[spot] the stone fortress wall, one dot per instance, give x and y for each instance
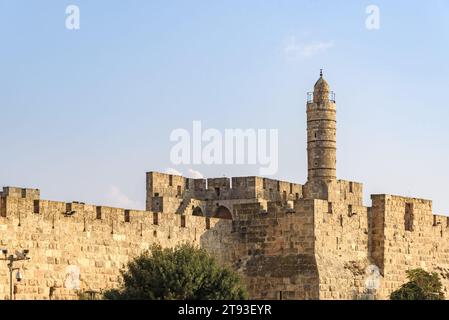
(287, 240)
(284, 247)
(81, 247)
(406, 235)
(86, 250)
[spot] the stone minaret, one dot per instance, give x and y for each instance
(321, 140)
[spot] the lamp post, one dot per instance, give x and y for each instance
(11, 259)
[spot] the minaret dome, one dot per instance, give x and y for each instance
(321, 90)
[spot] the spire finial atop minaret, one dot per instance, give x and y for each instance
(321, 72)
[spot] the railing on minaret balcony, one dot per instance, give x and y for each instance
(310, 97)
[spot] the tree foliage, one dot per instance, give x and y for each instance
(181, 273)
(422, 285)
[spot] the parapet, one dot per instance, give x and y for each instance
(277, 190)
(399, 201)
(178, 187)
(20, 193)
(350, 192)
(25, 211)
(410, 213)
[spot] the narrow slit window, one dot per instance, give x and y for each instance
(127, 217)
(435, 221)
(36, 206)
(183, 221)
(98, 210)
(408, 217)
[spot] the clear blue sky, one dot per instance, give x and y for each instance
(84, 114)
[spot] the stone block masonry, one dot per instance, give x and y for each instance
(294, 249)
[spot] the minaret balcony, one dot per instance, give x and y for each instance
(331, 97)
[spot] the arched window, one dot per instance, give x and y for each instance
(197, 212)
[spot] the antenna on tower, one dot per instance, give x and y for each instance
(321, 72)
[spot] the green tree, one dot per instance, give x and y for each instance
(181, 273)
(422, 285)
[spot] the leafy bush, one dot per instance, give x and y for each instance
(422, 285)
(182, 273)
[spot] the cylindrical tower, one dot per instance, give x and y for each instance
(322, 133)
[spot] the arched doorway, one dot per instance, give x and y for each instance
(223, 213)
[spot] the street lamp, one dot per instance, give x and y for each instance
(19, 256)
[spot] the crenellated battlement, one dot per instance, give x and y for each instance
(216, 196)
(20, 192)
(166, 192)
(17, 206)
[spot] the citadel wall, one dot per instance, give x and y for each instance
(294, 249)
(407, 235)
(341, 249)
(315, 249)
(91, 245)
(276, 255)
